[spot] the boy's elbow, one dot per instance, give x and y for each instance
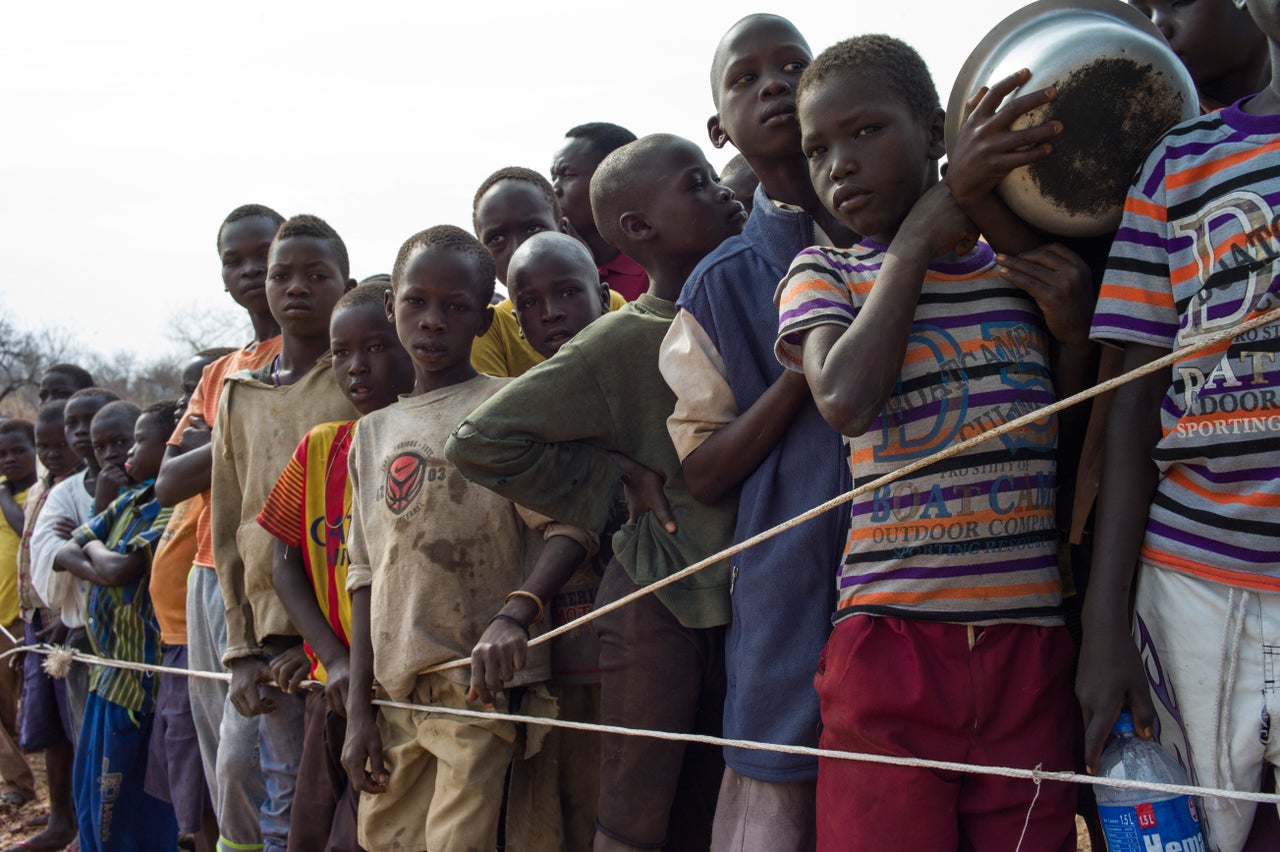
(845, 415)
(166, 492)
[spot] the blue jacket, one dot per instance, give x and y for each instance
(782, 590)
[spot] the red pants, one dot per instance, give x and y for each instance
(996, 696)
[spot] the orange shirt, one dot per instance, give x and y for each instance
(204, 403)
(174, 555)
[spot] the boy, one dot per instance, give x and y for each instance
(949, 597)
(552, 797)
(71, 503)
(309, 513)
(62, 380)
(661, 657)
(740, 419)
(43, 712)
(571, 169)
(228, 742)
(112, 553)
(175, 773)
(1188, 497)
(738, 175)
(261, 417)
(511, 205)
(431, 558)
(18, 467)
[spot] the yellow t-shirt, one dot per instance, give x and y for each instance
(10, 541)
(501, 351)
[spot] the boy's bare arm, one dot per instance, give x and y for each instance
(116, 569)
(187, 468)
(294, 588)
(503, 648)
(72, 559)
(732, 453)
(1111, 672)
(363, 746)
(852, 370)
(13, 514)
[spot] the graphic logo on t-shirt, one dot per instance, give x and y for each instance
(405, 476)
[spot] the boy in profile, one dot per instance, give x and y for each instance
(112, 553)
(228, 744)
(949, 598)
(309, 514)
(18, 469)
(571, 169)
(1188, 497)
(261, 417)
(661, 657)
(439, 570)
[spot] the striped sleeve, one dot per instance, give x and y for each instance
(813, 293)
(282, 513)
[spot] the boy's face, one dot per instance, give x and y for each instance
(52, 449)
(77, 420)
(556, 296)
(507, 215)
(571, 171)
(870, 156)
(190, 380)
(439, 310)
(370, 364)
(757, 70)
(1211, 37)
(149, 441)
(691, 213)
(17, 457)
(112, 439)
(55, 386)
(304, 282)
(242, 249)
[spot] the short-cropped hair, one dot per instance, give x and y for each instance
(892, 60)
(306, 225)
(448, 238)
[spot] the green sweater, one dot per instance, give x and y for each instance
(543, 442)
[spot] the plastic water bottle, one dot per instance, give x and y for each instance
(1144, 820)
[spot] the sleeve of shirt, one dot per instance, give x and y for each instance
(97, 527)
(489, 351)
(533, 520)
(547, 458)
(695, 372)
(1136, 302)
(52, 586)
(359, 570)
(225, 508)
(813, 293)
(148, 535)
(282, 514)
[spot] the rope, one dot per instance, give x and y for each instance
(1035, 775)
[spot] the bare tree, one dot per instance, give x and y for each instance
(200, 327)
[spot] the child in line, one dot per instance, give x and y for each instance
(949, 595)
(18, 469)
(511, 205)
(175, 773)
(70, 504)
(112, 552)
(261, 417)
(1189, 489)
(439, 569)
(571, 169)
(60, 381)
(309, 514)
(551, 800)
(738, 175)
(228, 744)
(661, 658)
(742, 420)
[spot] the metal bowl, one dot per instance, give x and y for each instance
(1120, 88)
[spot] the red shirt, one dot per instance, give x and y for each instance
(625, 276)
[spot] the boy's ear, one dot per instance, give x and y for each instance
(635, 226)
(604, 298)
(351, 285)
(485, 321)
(389, 305)
(716, 132)
(937, 135)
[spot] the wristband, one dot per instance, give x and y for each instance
(503, 616)
(521, 593)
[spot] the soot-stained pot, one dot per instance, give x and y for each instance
(1120, 88)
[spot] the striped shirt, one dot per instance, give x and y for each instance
(970, 539)
(310, 508)
(120, 620)
(1196, 254)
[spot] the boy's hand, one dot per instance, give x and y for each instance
(935, 226)
(643, 490)
(246, 674)
(290, 669)
(111, 481)
(337, 684)
(1062, 285)
(1111, 678)
(363, 747)
(63, 528)
(196, 435)
(502, 651)
(986, 149)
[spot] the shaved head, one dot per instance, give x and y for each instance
(759, 20)
(553, 244)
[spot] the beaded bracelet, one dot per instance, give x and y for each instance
(521, 593)
(513, 620)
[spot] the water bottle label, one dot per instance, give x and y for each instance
(1172, 825)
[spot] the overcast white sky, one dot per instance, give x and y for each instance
(128, 130)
